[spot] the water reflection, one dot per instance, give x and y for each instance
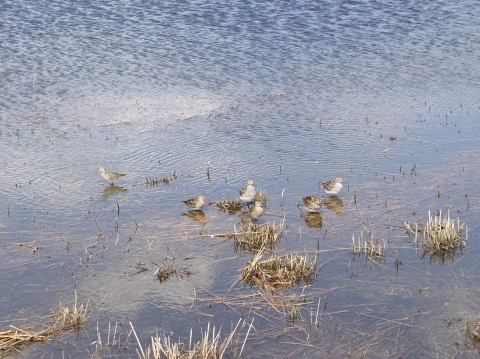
(196, 215)
(313, 220)
(334, 204)
(111, 190)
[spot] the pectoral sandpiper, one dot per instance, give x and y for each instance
(257, 211)
(110, 176)
(195, 203)
(332, 187)
(247, 194)
(312, 203)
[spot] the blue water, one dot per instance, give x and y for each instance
(286, 93)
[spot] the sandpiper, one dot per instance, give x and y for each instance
(257, 211)
(247, 194)
(195, 203)
(332, 187)
(110, 176)
(312, 203)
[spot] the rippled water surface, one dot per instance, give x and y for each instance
(384, 94)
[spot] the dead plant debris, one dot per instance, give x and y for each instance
(254, 237)
(164, 272)
(63, 320)
(229, 205)
(155, 181)
(440, 234)
(366, 246)
(472, 331)
(279, 271)
(209, 347)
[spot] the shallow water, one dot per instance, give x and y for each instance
(385, 95)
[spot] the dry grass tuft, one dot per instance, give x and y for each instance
(63, 320)
(279, 271)
(254, 238)
(209, 347)
(366, 246)
(441, 234)
(229, 205)
(164, 272)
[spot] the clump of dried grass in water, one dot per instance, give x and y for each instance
(230, 205)
(372, 250)
(254, 237)
(64, 319)
(164, 272)
(209, 347)
(279, 271)
(440, 234)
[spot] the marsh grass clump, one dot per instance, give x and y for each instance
(366, 246)
(164, 272)
(254, 237)
(229, 205)
(440, 234)
(279, 271)
(209, 347)
(64, 319)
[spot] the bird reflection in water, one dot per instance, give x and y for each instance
(334, 204)
(111, 190)
(196, 215)
(313, 220)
